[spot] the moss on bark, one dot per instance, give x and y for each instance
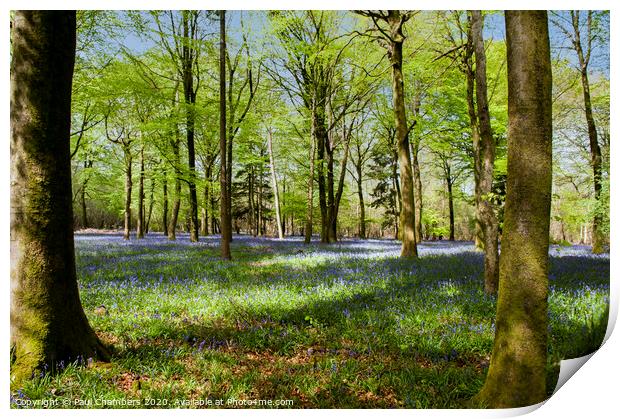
(48, 324)
(516, 375)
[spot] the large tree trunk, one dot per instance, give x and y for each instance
(128, 186)
(598, 239)
(226, 227)
(48, 324)
(486, 159)
(274, 184)
(407, 214)
(516, 375)
(140, 219)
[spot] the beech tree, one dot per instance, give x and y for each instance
(517, 371)
(389, 25)
(48, 324)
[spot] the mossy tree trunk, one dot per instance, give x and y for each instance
(48, 324)
(516, 375)
(486, 160)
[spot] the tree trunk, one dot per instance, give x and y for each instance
(516, 375)
(165, 203)
(204, 215)
(48, 324)
(151, 203)
(450, 201)
(475, 134)
(310, 194)
(177, 185)
(226, 227)
(140, 219)
(190, 100)
(407, 214)
(486, 159)
(274, 184)
(596, 160)
(360, 195)
(128, 187)
(417, 177)
(321, 139)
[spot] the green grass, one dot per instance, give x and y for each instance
(342, 326)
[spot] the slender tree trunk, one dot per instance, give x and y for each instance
(261, 229)
(310, 193)
(417, 177)
(486, 159)
(252, 208)
(204, 216)
(128, 187)
(516, 375)
(140, 219)
(87, 165)
(475, 135)
(596, 159)
(225, 218)
(48, 324)
(407, 214)
(190, 100)
(321, 138)
(360, 195)
(331, 198)
(274, 183)
(151, 203)
(450, 201)
(177, 185)
(165, 203)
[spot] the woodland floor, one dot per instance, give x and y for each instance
(327, 326)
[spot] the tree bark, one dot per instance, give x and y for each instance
(274, 183)
(486, 160)
(407, 214)
(225, 219)
(48, 323)
(516, 375)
